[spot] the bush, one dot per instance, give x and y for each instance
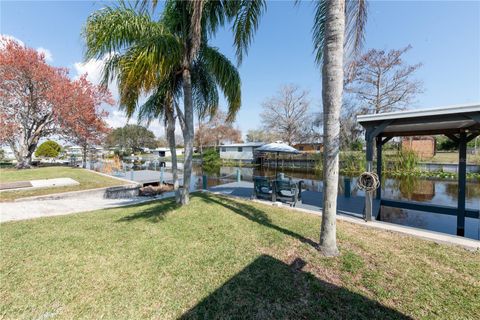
(211, 157)
(445, 144)
(48, 149)
(356, 145)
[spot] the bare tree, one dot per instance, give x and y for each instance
(260, 135)
(382, 81)
(350, 130)
(217, 131)
(285, 114)
(312, 129)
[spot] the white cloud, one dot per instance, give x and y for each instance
(92, 67)
(5, 37)
(46, 53)
(116, 118)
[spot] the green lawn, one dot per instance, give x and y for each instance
(220, 258)
(452, 157)
(87, 180)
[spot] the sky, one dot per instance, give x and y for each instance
(444, 35)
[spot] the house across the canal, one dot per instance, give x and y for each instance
(165, 152)
(240, 151)
(423, 146)
(315, 147)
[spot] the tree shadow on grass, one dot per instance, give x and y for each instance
(271, 289)
(253, 214)
(155, 213)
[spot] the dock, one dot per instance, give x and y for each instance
(148, 176)
(310, 200)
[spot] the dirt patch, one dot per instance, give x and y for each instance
(15, 185)
(155, 190)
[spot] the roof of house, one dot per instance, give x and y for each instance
(441, 120)
(308, 144)
(248, 144)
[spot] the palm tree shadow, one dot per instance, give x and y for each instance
(271, 289)
(154, 213)
(253, 214)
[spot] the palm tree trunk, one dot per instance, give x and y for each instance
(332, 89)
(173, 150)
(188, 134)
(193, 45)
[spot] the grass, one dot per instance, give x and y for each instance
(220, 258)
(452, 157)
(87, 180)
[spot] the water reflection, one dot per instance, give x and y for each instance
(438, 192)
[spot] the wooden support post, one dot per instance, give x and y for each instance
(379, 166)
(462, 183)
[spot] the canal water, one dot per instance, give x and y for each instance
(425, 190)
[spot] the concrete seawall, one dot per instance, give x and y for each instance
(118, 192)
(423, 166)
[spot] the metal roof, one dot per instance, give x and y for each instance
(278, 148)
(442, 120)
(248, 144)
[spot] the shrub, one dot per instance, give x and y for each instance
(356, 145)
(48, 149)
(211, 157)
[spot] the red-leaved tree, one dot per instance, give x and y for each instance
(38, 100)
(83, 122)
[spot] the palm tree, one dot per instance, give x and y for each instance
(147, 57)
(337, 24)
(193, 22)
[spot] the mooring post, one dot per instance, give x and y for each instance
(369, 195)
(379, 166)
(162, 169)
(204, 182)
(239, 176)
(462, 183)
(347, 187)
(131, 173)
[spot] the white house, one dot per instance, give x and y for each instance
(8, 153)
(240, 151)
(165, 152)
(77, 151)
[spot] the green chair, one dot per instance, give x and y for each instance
(285, 190)
(262, 188)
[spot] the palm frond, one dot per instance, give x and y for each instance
(204, 90)
(355, 23)
(144, 5)
(111, 29)
(226, 76)
(318, 29)
(153, 108)
(245, 24)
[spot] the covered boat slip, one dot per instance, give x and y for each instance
(459, 123)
